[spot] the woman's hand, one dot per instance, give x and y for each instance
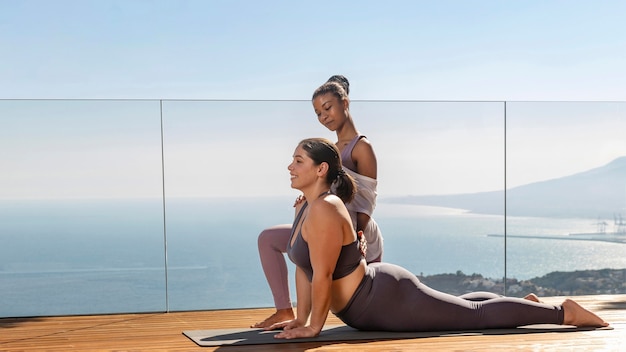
(287, 324)
(300, 199)
(297, 332)
(362, 243)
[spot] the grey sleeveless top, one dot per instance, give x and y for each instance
(346, 153)
(349, 257)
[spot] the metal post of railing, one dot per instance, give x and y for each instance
(505, 218)
(167, 301)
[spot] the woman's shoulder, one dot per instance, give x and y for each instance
(363, 145)
(326, 205)
(365, 159)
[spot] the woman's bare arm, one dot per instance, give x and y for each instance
(325, 239)
(366, 164)
(303, 297)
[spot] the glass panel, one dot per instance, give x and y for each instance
(440, 189)
(81, 208)
(566, 198)
(81, 216)
(226, 180)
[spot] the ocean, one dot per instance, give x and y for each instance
(61, 257)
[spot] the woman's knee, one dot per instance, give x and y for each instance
(265, 238)
(274, 238)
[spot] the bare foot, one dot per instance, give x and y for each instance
(532, 297)
(280, 316)
(575, 314)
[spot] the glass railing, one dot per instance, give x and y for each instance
(111, 206)
(81, 220)
(566, 187)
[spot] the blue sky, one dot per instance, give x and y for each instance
(282, 50)
(441, 50)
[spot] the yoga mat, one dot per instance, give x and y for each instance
(237, 337)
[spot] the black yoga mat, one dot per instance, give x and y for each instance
(237, 337)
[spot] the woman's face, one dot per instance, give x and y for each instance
(330, 111)
(302, 169)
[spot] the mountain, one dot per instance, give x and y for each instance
(596, 193)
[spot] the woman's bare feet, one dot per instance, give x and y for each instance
(575, 314)
(532, 297)
(280, 316)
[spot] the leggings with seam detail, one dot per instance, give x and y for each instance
(272, 243)
(390, 298)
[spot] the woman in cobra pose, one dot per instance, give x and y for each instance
(332, 107)
(332, 275)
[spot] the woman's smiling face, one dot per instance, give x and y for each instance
(302, 169)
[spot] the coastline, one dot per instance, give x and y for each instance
(557, 283)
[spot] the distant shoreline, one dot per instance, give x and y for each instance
(580, 282)
(608, 237)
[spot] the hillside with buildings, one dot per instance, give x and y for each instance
(574, 283)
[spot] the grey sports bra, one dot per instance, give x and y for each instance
(349, 257)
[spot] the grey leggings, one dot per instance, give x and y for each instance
(390, 298)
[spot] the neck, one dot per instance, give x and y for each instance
(347, 131)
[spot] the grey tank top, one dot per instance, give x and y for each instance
(346, 153)
(349, 257)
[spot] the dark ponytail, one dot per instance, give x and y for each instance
(322, 150)
(345, 186)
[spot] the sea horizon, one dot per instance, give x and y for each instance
(105, 256)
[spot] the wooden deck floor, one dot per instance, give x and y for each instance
(163, 332)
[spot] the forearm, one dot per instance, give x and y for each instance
(362, 220)
(320, 301)
(303, 296)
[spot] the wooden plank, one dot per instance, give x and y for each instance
(163, 332)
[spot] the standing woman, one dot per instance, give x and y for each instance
(332, 107)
